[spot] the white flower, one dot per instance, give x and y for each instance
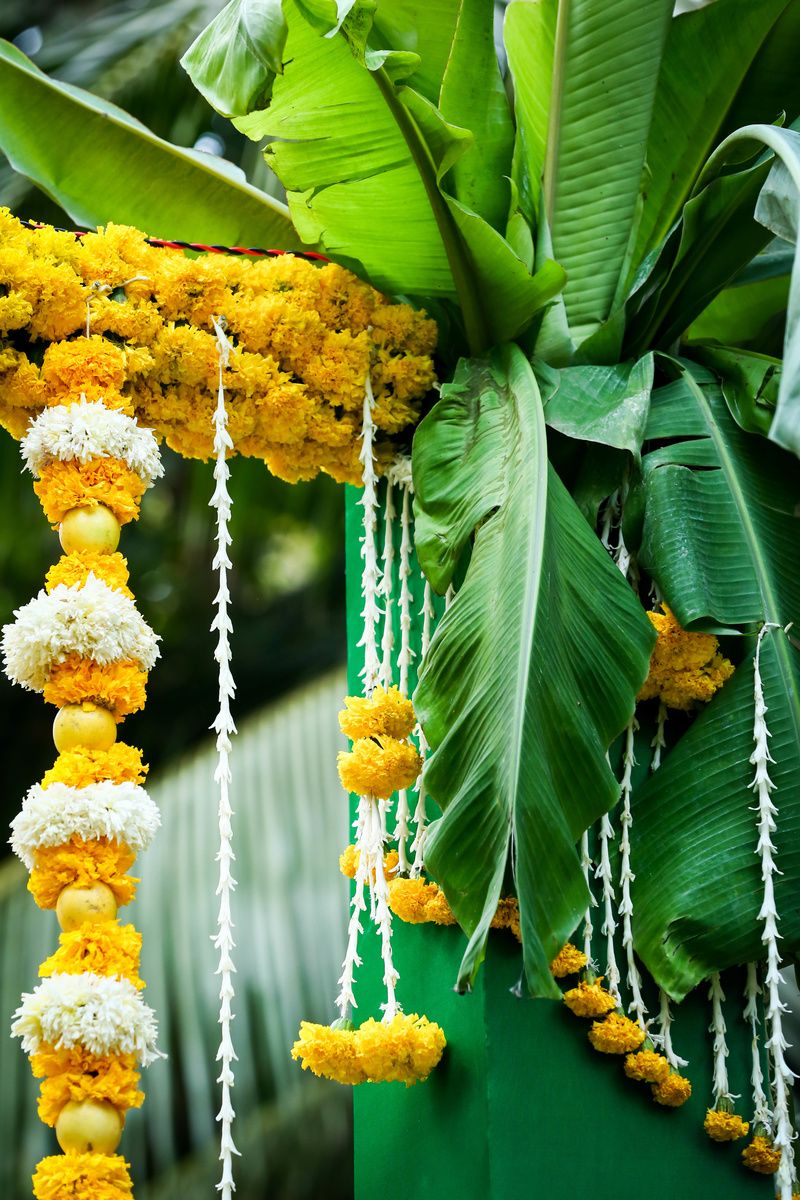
(50, 816)
(91, 620)
(103, 1014)
(89, 430)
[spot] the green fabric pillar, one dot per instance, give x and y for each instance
(521, 1105)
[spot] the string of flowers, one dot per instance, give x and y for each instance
(385, 585)
(637, 1004)
(760, 1154)
(722, 1123)
(400, 472)
(420, 815)
(224, 728)
(608, 928)
(82, 644)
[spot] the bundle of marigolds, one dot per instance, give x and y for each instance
(82, 643)
(306, 338)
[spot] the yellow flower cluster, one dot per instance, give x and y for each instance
(77, 1075)
(420, 902)
(647, 1066)
(686, 668)
(761, 1156)
(101, 1176)
(589, 999)
(305, 338)
(74, 569)
(722, 1125)
(104, 948)
(350, 857)
(386, 713)
(673, 1091)
(79, 767)
(72, 484)
(120, 686)
(616, 1034)
(378, 766)
(403, 1050)
(80, 863)
(568, 961)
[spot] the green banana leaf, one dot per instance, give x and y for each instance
(583, 129)
(290, 913)
(532, 671)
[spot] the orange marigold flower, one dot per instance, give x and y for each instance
(673, 1091)
(417, 902)
(91, 366)
(761, 1156)
(384, 712)
(568, 961)
(73, 484)
(81, 864)
(722, 1126)
(78, 768)
(590, 1000)
(118, 686)
(101, 1176)
(507, 916)
(75, 568)
(616, 1035)
(105, 948)
(685, 668)
(329, 1053)
(403, 1050)
(349, 859)
(78, 1075)
(647, 1067)
(378, 767)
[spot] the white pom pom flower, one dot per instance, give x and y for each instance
(103, 1014)
(122, 812)
(88, 430)
(91, 620)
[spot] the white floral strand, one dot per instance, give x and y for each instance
(385, 588)
(346, 1000)
(86, 431)
(752, 991)
(609, 926)
(420, 817)
(103, 1014)
(763, 787)
(404, 660)
(225, 728)
(370, 575)
(721, 1086)
(372, 849)
(588, 927)
(122, 812)
(90, 619)
(664, 1036)
(659, 740)
(626, 878)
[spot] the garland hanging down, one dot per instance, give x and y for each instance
(84, 646)
(305, 336)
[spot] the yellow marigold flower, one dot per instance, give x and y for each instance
(73, 484)
(78, 1075)
(403, 1050)
(78, 768)
(106, 948)
(685, 668)
(82, 864)
(418, 902)
(15, 312)
(590, 1000)
(329, 1053)
(673, 1091)
(568, 961)
(91, 366)
(349, 859)
(647, 1067)
(616, 1035)
(724, 1126)
(72, 569)
(761, 1156)
(118, 686)
(384, 712)
(378, 767)
(101, 1176)
(507, 916)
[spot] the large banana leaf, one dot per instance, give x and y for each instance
(101, 165)
(532, 671)
(290, 911)
(596, 113)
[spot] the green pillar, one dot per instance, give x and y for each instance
(521, 1105)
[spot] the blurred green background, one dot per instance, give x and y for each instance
(288, 648)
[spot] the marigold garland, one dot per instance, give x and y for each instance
(80, 767)
(647, 1066)
(107, 481)
(616, 1034)
(673, 1091)
(77, 1075)
(568, 961)
(81, 863)
(384, 713)
(349, 859)
(403, 1050)
(418, 901)
(686, 668)
(74, 569)
(99, 1176)
(106, 948)
(589, 999)
(378, 766)
(119, 686)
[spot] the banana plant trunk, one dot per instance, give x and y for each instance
(521, 1105)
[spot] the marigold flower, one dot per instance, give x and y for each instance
(349, 859)
(724, 1126)
(417, 902)
(647, 1067)
(77, 1075)
(568, 961)
(81, 864)
(91, 366)
(378, 767)
(72, 484)
(507, 916)
(685, 668)
(590, 1000)
(403, 1050)
(106, 948)
(383, 713)
(673, 1091)
(118, 686)
(761, 1156)
(78, 768)
(329, 1053)
(616, 1035)
(75, 568)
(101, 1176)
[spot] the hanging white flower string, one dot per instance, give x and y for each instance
(404, 660)
(659, 740)
(420, 816)
(720, 1084)
(626, 876)
(385, 586)
(763, 787)
(609, 926)
(370, 575)
(762, 1114)
(586, 867)
(664, 1037)
(224, 728)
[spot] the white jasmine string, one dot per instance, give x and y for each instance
(420, 817)
(385, 587)
(346, 1000)
(659, 740)
(370, 575)
(224, 728)
(664, 1037)
(404, 661)
(609, 926)
(763, 787)
(586, 867)
(752, 991)
(626, 878)
(720, 1084)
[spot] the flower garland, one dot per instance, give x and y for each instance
(84, 646)
(305, 337)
